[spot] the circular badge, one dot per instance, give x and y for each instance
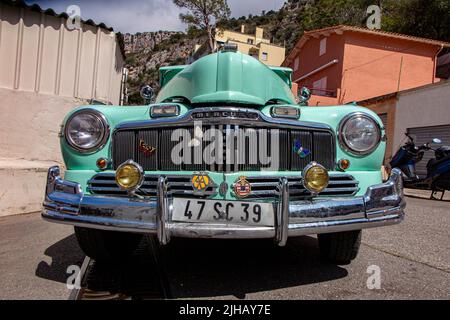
(242, 188)
(200, 182)
(223, 188)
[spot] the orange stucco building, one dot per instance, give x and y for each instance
(342, 64)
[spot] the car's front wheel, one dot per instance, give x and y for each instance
(102, 245)
(341, 247)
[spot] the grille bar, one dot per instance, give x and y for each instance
(341, 184)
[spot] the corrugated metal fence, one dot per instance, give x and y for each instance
(39, 53)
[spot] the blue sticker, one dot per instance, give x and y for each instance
(298, 149)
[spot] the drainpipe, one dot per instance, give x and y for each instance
(435, 62)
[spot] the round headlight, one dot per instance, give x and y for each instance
(87, 131)
(359, 134)
(315, 177)
(129, 175)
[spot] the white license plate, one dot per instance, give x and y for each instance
(232, 212)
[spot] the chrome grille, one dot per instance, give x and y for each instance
(262, 187)
(268, 187)
(105, 184)
(244, 156)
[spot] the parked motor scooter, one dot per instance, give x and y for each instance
(438, 168)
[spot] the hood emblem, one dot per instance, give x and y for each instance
(299, 150)
(242, 188)
(146, 149)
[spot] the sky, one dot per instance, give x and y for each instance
(131, 16)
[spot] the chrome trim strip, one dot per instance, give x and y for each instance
(187, 119)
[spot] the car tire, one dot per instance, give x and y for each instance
(106, 246)
(341, 247)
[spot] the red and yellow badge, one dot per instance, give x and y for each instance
(146, 149)
(242, 187)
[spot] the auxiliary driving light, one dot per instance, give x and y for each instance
(315, 178)
(129, 176)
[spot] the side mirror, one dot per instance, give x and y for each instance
(437, 141)
(304, 95)
(147, 93)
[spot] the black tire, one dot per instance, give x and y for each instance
(103, 245)
(340, 248)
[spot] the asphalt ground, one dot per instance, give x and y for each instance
(413, 259)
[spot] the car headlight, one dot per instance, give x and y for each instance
(359, 133)
(87, 130)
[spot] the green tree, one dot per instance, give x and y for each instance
(422, 18)
(203, 14)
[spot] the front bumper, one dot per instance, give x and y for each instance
(382, 205)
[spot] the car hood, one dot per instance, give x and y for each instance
(228, 77)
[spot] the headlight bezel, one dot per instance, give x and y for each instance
(101, 142)
(341, 138)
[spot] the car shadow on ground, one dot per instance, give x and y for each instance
(215, 268)
(63, 253)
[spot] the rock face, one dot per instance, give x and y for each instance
(146, 41)
(148, 51)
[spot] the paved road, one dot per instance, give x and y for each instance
(414, 259)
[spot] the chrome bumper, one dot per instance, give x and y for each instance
(65, 202)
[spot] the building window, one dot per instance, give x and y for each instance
(264, 56)
(320, 87)
(323, 47)
(296, 63)
(250, 41)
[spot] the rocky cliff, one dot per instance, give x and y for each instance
(148, 51)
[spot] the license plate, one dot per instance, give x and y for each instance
(233, 212)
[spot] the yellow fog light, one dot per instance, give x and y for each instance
(129, 175)
(315, 178)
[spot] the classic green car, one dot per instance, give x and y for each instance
(225, 151)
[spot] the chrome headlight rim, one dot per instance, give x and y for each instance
(341, 138)
(102, 141)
